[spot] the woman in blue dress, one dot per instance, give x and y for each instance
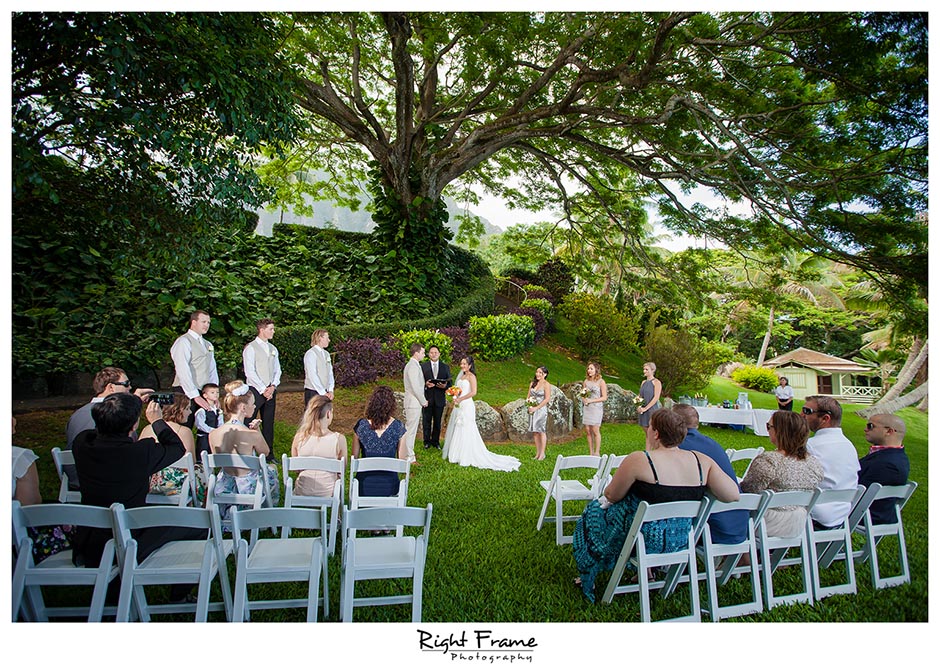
(379, 435)
(661, 473)
(650, 390)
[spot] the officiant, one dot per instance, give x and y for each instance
(436, 381)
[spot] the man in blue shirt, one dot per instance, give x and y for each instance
(727, 527)
(886, 462)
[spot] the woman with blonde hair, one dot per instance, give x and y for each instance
(790, 467)
(234, 436)
(314, 438)
(592, 412)
(650, 390)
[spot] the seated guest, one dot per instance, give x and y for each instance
(314, 438)
(886, 462)
(25, 475)
(236, 437)
(169, 481)
(727, 527)
(115, 468)
(108, 381)
(379, 435)
(835, 452)
(661, 473)
(46, 540)
(790, 467)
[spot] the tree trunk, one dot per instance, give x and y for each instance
(915, 361)
(919, 393)
(923, 404)
(763, 347)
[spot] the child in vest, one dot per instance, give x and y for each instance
(207, 420)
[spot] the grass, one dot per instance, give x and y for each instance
(486, 561)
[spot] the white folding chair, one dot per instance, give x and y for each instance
(613, 461)
(835, 550)
(333, 503)
(841, 534)
(634, 552)
(57, 569)
(564, 490)
(260, 497)
(193, 561)
(61, 459)
(187, 491)
(283, 559)
(874, 533)
(394, 465)
(744, 454)
(370, 558)
(722, 560)
(773, 550)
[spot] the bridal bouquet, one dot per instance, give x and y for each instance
(531, 401)
(452, 393)
(638, 400)
(585, 392)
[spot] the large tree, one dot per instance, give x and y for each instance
(818, 120)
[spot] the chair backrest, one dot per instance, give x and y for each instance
(186, 463)
(213, 461)
(126, 520)
(735, 455)
(61, 459)
(49, 515)
(309, 462)
(790, 498)
(900, 493)
(251, 520)
(753, 503)
(613, 462)
(408, 516)
(377, 464)
(847, 496)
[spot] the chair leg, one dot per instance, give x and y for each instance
(347, 599)
(313, 594)
(127, 583)
(559, 520)
(548, 498)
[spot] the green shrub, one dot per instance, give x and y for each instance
(427, 338)
(501, 337)
(542, 305)
(758, 378)
(599, 325)
(556, 276)
(684, 362)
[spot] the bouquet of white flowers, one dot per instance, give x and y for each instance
(530, 401)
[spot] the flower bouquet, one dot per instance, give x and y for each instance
(530, 401)
(638, 400)
(452, 393)
(584, 393)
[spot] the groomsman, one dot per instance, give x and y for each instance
(194, 360)
(414, 397)
(436, 381)
(318, 368)
(263, 375)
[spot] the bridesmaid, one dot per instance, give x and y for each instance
(592, 412)
(650, 391)
(541, 392)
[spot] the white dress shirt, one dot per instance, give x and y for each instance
(318, 370)
(182, 354)
(252, 373)
(840, 472)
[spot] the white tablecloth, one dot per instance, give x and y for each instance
(756, 419)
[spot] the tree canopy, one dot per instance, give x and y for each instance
(818, 120)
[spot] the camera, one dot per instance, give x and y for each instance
(163, 399)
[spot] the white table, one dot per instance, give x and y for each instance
(756, 419)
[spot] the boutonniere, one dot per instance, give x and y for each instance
(273, 352)
(209, 346)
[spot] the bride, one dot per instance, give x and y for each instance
(463, 444)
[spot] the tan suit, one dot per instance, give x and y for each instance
(414, 401)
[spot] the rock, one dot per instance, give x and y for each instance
(560, 415)
(491, 424)
(620, 406)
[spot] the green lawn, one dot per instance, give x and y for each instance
(486, 561)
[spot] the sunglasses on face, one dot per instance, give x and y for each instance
(809, 412)
(770, 426)
(872, 426)
(126, 384)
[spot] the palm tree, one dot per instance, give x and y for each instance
(770, 279)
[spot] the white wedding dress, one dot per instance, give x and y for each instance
(463, 444)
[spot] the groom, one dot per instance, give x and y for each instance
(436, 381)
(414, 397)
